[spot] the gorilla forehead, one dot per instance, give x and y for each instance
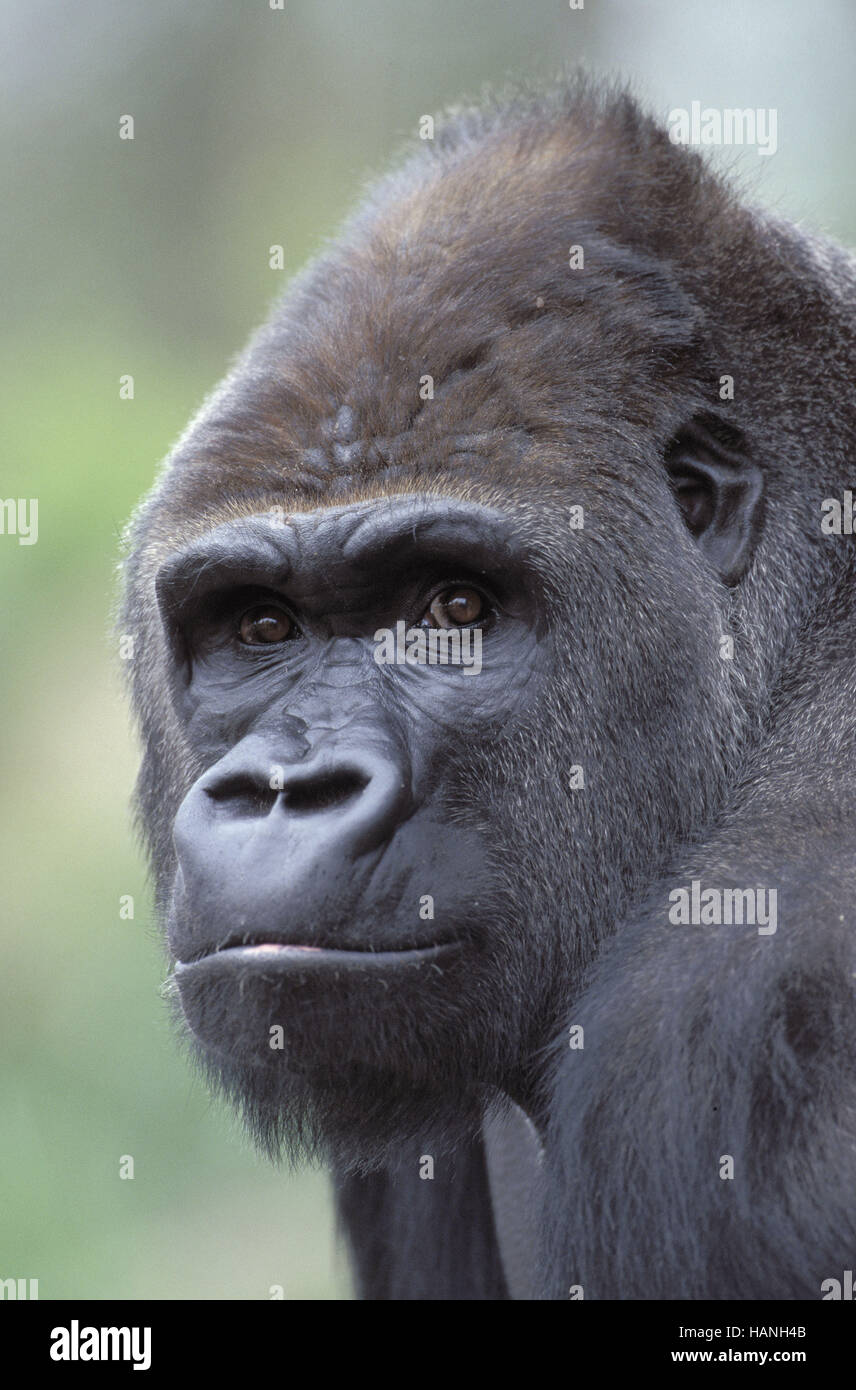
(520, 347)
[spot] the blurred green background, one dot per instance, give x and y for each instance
(252, 126)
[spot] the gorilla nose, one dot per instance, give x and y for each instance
(270, 849)
(358, 797)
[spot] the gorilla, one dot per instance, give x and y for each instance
(549, 955)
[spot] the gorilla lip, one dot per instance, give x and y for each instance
(290, 953)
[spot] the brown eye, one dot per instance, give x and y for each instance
(264, 625)
(455, 607)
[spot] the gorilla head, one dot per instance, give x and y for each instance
(494, 408)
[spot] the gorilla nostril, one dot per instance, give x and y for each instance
(324, 790)
(247, 793)
(243, 795)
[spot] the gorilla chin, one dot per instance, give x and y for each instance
(344, 1055)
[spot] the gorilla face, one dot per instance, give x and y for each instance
(390, 872)
(338, 904)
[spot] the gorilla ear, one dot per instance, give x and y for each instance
(718, 490)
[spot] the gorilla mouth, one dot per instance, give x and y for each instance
(286, 954)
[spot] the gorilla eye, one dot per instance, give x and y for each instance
(455, 607)
(264, 625)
